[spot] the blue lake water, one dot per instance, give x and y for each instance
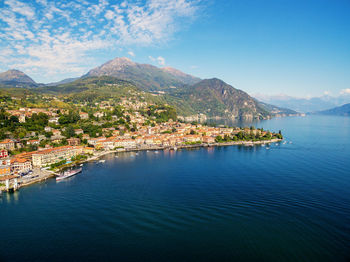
(287, 203)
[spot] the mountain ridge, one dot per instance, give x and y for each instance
(188, 94)
(343, 110)
(145, 76)
(17, 78)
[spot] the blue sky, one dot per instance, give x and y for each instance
(297, 47)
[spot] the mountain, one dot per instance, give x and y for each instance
(16, 78)
(145, 76)
(305, 105)
(215, 98)
(187, 79)
(278, 111)
(64, 81)
(343, 110)
(122, 77)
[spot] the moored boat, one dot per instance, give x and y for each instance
(67, 174)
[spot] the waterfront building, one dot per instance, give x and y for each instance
(54, 155)
(126, 143)
(192, 138)
(5, 170)
(21, 165)
(88, 150)
(208, 139)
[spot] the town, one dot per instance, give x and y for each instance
(40, 138)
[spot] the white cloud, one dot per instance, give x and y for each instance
(59, 37)
(20, 8)
(109, 15)
(345, 91)
(161, 60)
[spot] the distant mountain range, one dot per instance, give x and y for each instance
(305, 105)
(343, 110)
(188, 94)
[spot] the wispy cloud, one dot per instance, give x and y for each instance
(60, 37)
(160, 60)
(131, 53)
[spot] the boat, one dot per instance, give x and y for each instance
(102, 161)
(67, 174)
(156, 152)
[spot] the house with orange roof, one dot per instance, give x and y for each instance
(54, 155)
(192, 138)
(7, 144)
(20, 165)
(5, 170)
(208, 139)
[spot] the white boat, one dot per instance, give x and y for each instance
(102, 161)
(67, 174)
(116, 156)
(156, 152)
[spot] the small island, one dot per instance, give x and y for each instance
(40, 135)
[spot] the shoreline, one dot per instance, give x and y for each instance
(41, 175)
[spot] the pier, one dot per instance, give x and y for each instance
(11, 183)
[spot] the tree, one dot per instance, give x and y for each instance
(48, 134)
(69, 132)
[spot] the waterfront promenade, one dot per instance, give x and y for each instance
(41, 174)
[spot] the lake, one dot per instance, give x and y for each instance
(290, 202)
